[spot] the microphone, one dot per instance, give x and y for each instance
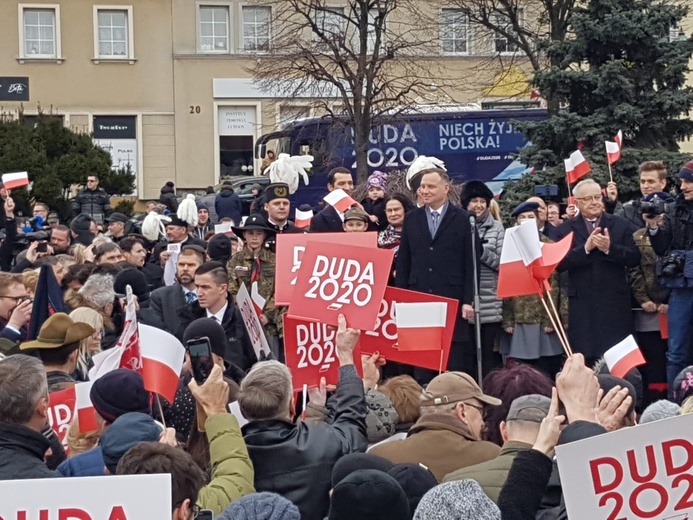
(472, 220)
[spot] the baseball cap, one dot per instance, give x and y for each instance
(453, 387)
(356, 213)
(117, 217)
(532, 407)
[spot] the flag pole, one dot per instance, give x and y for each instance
(611, 175)
(440, 367)
(161, 410)
(566, 348)
(560, 329)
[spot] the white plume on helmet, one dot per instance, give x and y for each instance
(154, 226)
(287, 168)
(421, 163)
(187, 210)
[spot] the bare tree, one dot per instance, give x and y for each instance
(368, 56)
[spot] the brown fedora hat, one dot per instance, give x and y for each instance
(59, 330)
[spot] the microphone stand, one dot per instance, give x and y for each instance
(477, 301)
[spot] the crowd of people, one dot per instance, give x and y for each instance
(398, 442)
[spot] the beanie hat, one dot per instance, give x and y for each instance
(119, 392)
(125, 432)
(633, 376)
(81, 224)
(201, 205)
(209, 328)
(607, 382)
(377, 180)
(261, 506)
(219, 248)
(369, 494)
(416, 480)
(346, 465)
(659, 410)
(136, 280)
(580, 430)
(687, 172)
(457, 500)
(683, 385)
(169, 184)
(473, 189)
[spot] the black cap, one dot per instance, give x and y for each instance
(277, 190)
(177, 221)
(524, 208)
(118, 217)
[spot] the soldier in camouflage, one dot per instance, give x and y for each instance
(255, 263)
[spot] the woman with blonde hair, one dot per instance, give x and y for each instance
(30, 279)
(90, 345)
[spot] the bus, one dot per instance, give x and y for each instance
(473, 144)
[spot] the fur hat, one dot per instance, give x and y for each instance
(473, 189)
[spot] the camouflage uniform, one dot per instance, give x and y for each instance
(643, 280)
(240, 267)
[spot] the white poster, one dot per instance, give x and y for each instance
(252, 323)
(131, 497)
(123, 152)
(237, 121)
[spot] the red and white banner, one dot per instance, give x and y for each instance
(310, 350)
(252, 322)
(576, 167)
(613, 148)
(258, 301)
(11, 181)
(84, 408)
(341, 280)
(384, 337)
(60, 412)
(116, 497)
(339, 200)
(162, 361)
(290, 250)
(623, 356)
(639, 472)
(129, 340)
(420, 325)
(302, 218)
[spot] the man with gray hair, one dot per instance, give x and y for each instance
(602, 252)
(296, 460)
(519, 432)
(23, 416)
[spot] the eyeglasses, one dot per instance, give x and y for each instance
(480, 408)
(15, 298)
(91, 180)
(594, 198)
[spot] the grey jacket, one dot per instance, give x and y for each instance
(491, 233)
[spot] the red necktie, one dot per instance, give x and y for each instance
(255, 272)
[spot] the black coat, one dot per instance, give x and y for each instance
(599, 304)
(327, 221)
(168, 198)
(296, 460)
(377, 208)
(441, 265)
(164, 304)
(239, 349)
(96, 203)
(228, 205)
(21, 453)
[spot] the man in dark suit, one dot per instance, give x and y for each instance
(435, 256)
(603, 250)
(329, 219)
(214, 301)
(165, 302)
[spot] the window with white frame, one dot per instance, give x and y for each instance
(40, 31)
(454, 31)
(330, 24)
(256, 28)
(502, 44)
(113, 38)
(214, 28)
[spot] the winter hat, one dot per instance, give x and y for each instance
(219, 248)
(580, 430)
(687, 171)
(346, 465)
(119, 392)
(633, 376)
(125, 432)
(473, 189)
(458, 500)
(416, 480)
(201, 205)
(137, 282)
(377, 180)
(356, 213)
(176, 221)
(261, 506)
(81, 224)
(525, 207)
(369, 494)
(209, 328)
(659, 410)
(169, 184)
(683, 385)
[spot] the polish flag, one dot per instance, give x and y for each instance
(104, 362)
(15, 180)
(129, 340)
(162, 361)
(257, 299)
(521, 248)
(420, 325)
(303, 218)
(623, 356)
(576, 167)
(84, 409)
(339, 200)
(613, 148)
